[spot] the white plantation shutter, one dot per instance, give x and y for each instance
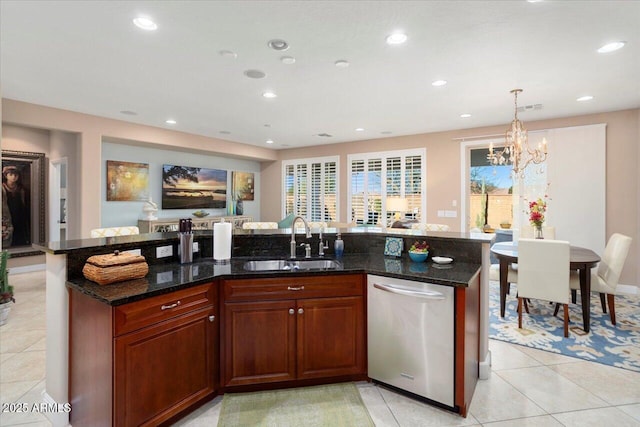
(374, 176)
(289, 193)
(310, 188)
(413, 182)
(358, 191)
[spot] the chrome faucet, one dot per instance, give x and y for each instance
(322, 246)
(293, 234)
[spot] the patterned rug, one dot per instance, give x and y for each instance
(332, 405)
(611, 345)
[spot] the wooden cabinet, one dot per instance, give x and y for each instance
(160, 358)
(292, 328)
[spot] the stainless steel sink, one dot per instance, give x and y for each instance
(315, 264)
(267, 265)
(286, 265)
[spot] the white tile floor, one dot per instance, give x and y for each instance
(527, 387)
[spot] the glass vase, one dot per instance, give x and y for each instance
(537, 232)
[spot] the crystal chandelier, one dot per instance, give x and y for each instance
(517, 151)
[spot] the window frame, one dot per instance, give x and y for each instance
(384, 156)
(309, 162)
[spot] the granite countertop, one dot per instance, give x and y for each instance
(169, 277)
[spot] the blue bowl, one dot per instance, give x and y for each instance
(418, 256)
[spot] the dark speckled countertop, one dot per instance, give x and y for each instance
(163, 278)
(364, 248)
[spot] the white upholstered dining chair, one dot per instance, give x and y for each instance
(543, 273)
(259, 225)
(548, 232)
(605, 278)
(114, 231)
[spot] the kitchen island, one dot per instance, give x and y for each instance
(210, 290)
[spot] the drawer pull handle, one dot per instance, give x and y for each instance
(170, 306)
(291, 311)
(296, 288)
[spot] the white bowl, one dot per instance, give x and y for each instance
(442, 259)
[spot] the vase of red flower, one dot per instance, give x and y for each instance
(537, 209)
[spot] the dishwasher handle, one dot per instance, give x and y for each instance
(431, 295)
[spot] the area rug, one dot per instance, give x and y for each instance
(338, 405)
(617, 345)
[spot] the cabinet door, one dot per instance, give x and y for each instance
(330, 337)
(163, 369)
(259, 342)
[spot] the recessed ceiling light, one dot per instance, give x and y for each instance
(465, 115)
(267, 125)
(341, 63)
(269, 94)
(269, 141)
(585, 98)
(145, 23)
(359, 129)
(170, 122)
(128, 113)
(228, 54)
(278, 44)
(611, 47)
(397, 38)
(225, 132)
(255, 74)
(439, 83)
(386, 132)
(288, 60)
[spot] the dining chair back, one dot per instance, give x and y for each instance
(605, 279)
(114, 231)
(543, 273)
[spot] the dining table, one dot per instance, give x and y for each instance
(580, 259)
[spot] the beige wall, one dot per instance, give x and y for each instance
(91, 130)
(443, 172)
(443, 162)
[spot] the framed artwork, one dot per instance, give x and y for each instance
(186, 187)
(127, 181)
(23, 199)
(393, 246)
(243, 185)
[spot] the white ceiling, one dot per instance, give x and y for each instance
(87, 56)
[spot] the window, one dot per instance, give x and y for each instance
(311, 188)
(374, 176)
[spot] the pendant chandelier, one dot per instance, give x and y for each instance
(517, 151)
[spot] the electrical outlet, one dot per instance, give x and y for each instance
(196, 247)
(164, 251)
(134, 252)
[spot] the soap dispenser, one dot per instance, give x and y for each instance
(338, 246)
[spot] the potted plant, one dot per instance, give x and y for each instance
(6, 290)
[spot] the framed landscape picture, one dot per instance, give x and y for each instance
(243, 185)
(127, 181)
(186, 187)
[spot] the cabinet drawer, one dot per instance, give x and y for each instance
(293, 287)
(136, 315)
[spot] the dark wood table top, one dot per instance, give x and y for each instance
(578, 257)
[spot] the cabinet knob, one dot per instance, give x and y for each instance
(291, 311)
(300, 310)
(212, 318)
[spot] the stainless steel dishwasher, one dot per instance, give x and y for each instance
(411, 336)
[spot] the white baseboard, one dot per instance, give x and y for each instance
(485, 367)
(57, 419)
(26, 269)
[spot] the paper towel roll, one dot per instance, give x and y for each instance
(222, 241)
